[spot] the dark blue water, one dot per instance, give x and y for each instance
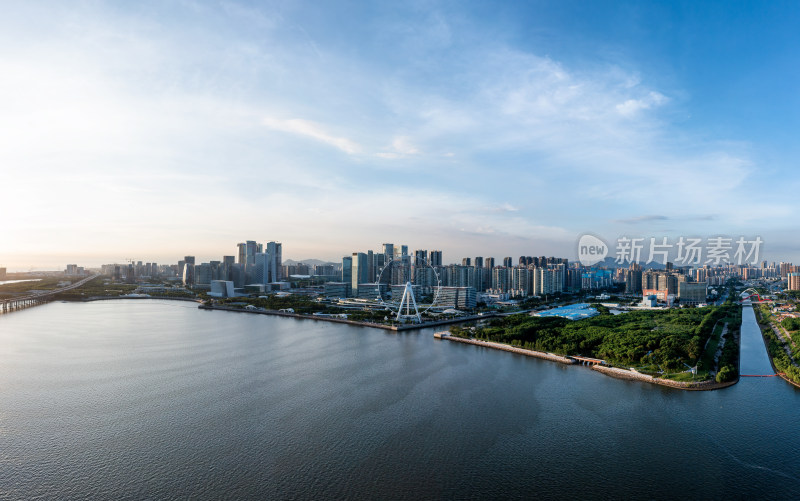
(159, 400)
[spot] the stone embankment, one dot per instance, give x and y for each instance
(683, 385)
(608, 371)
(505, 347)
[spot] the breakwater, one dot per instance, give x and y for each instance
(682, 385)
(505, 347)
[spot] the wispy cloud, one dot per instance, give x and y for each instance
(632, 106)
(314, 131)
(401, 148)
(642, 219)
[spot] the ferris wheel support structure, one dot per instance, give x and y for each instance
(407, 300)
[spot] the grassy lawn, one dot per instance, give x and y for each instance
(686, 376)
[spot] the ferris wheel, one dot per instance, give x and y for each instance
(404, 306)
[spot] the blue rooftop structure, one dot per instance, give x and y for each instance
(570, 312)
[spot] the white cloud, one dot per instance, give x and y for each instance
(633, 106)
(401, 148)
(314, 131)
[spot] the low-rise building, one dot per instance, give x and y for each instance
(221, 288)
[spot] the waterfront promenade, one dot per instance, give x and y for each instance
(397, 328)
(599, 366)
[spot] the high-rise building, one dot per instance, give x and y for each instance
(458, 276)
(216, 270)
(501, 279)
(436, 258)
(188, 274)
(522, 280)
(370, 267)
(466, 261)
(489, 262)
(548, 280)
(360, 270)
(262, 274)
(242, 253)
(507, 262)
(187, 262)
(202, 275)
(420, 257)
(238, 275)
(633, 281)
(275, 251)
(227, 267)
(248, 251)
(478, 262)
(793, 279)
(347, 270)
(388, 252)
(380, 263)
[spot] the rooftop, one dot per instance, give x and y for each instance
(570, 312)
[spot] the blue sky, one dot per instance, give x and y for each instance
(153, 130)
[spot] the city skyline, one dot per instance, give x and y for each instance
(166, 129)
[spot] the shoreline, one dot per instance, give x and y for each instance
(276, 313)
(108, 298)
(614, 372)
(766, 346)
(769, 356)
(507, 347)
(630, 375)
(395, 328)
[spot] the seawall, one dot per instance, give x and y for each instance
(682, 385)
(505, 347)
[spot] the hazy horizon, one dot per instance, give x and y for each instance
(154, 130)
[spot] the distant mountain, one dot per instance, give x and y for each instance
(309, 262)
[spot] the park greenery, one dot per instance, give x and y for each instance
(775, 348)
(304, 305)
(96, 287)
(39, 283)
(658, 342)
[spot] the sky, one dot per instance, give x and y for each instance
(157, 129)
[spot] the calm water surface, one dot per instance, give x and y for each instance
(155, 399)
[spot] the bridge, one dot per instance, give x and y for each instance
(19, 302)
(749, 294)
(587, 360)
